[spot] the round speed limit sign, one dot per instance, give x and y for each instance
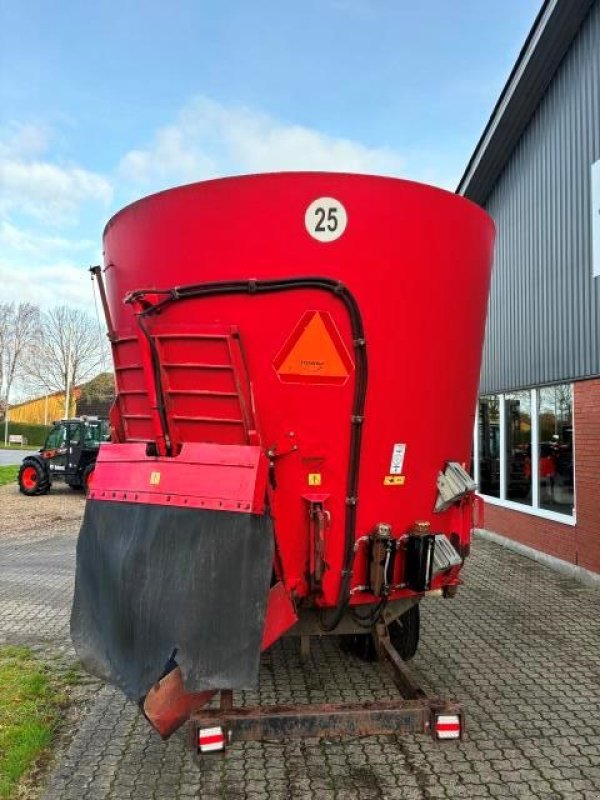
(326, 219)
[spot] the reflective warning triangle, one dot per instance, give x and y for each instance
(314, 352)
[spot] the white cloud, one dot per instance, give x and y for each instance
(54, 283)
(173, 155)
(23, 141)
(43, 240)
(209, 139)
(33, 243)
(48, 192)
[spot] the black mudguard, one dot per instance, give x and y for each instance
(152, 580)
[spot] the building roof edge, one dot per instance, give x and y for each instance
(553, 31)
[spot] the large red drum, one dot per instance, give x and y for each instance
(416, 259)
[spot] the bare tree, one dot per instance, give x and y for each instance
(4, 328)
(17, 325)
(67, 349)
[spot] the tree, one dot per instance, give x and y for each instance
(17, 325)
(4, 328)
(97, 395)
(67, 349)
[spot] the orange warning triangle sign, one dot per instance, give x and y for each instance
(315, 352)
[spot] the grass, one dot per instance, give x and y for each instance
(30, 705)
(18, 446)
(8, 475)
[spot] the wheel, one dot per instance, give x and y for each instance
(88, 478)
(404, 633)
(360, 645)
(33, 478)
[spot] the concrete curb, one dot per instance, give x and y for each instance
(589, 579)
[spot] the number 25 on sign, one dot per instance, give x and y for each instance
(325, 219)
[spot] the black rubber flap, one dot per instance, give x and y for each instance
(152, 579)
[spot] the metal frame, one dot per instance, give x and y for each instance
(414, 712)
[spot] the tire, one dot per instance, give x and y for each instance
(33, 478)
(404, 633)
(88, 478)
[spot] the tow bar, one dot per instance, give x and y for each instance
(213, 729)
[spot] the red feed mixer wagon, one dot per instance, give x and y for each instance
(297, 359)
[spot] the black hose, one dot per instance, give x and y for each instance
(160, 395)
(372, 617)
(214, 288)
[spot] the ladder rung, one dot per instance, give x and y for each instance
(213, 420)
(170, 365)
(220, 336)
(201, 393)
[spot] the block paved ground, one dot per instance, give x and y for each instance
(519, 646)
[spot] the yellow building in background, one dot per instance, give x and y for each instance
(92, 399)
(44, 410)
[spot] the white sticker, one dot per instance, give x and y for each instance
(326, 219)
(397, 459)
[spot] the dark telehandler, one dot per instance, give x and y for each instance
(69, 454)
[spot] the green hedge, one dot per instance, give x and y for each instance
(35, 434)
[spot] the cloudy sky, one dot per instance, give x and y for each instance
(104, 102)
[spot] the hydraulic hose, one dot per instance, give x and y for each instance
(327, 621)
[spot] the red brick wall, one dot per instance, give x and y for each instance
(587, 473)
(579, 544)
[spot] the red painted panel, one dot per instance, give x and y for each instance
(219, 477)
(280, 617)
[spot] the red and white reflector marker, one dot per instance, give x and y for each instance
(447, 726)
(211, 740)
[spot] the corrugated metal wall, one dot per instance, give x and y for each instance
(544, 319)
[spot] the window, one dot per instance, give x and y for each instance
(95, 433)
(523, 451)
(56, 438)
(556, 448)
(75, 434)
(489, 445)
(517, 413)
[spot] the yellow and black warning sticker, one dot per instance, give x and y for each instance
(394, 480)
(314, 478)
(154, 478)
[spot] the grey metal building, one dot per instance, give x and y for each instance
(536, 170)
